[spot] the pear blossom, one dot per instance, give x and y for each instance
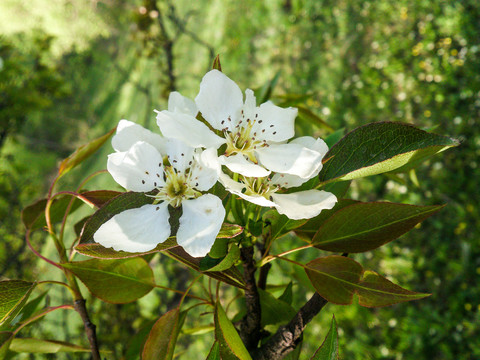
(178, 179)
(252, 138)
(267, 190)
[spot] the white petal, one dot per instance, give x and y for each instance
(287, 181)
(250, 106)
(218, 99)
(239, 164)
(278, 123)
(179, 154)
(188, 129)
(290, 158)
(205, 170)
(128, 133)
(238, 188)
(313, 144)
(178, 103)
(200, 223)
(138, 169)
(304, 204)
(136, 230)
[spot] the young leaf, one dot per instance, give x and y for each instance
(338, 278)
(231, 276)
(329, 349)
(30, 308)
(38, 346)
(98, 251)
(363, 226)
(310, 117)
(160, 344)
(33, 216)
(13, 295)
(287, 295)
(137, 341)
(231, 346)
(115, 281)
(82, 153)
(5, 340)
(216, 63)
(210, 264)
(98, 198)
(313, 224)
(280, 224)
(274, 311)
(380, 147)
(214, 353)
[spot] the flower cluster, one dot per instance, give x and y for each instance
(243, 146)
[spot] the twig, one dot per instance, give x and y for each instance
(79, 306)
(288, 337)
(250, 325)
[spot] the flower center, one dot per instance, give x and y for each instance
(241, 139)
(259, 186)
(177, 187)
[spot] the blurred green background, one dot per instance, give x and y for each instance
(71, 69)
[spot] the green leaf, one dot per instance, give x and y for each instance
(82, 153)
(329, 349)
(13, 295)
(380, 147)
(137, 341)
(338, 278)
(98, 251)
(334, 137)
(214, 353)
(98, 198)
(231, 346)
(313, 224)
(115, 281)
(211, 264)
(265, 92)
(274, 311)
(310, 117)
(287, 295)
(115, 206)
(231, 276)
(339, 188)
(280, 224)
(33, 216)
(30, 308)
(363, 226)
(160, 344)
(29, 345)
(5, 341)
(229, 231)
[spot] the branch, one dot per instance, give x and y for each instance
(250, 325)
(288, 337)
(79, 306)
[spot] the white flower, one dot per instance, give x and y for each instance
(177, 180)
(253, 137)
(264, 190)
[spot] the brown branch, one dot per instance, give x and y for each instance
(80, 307)
(167, 45)
(288, 337)
(250, 325)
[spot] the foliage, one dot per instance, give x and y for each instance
(359, 63)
